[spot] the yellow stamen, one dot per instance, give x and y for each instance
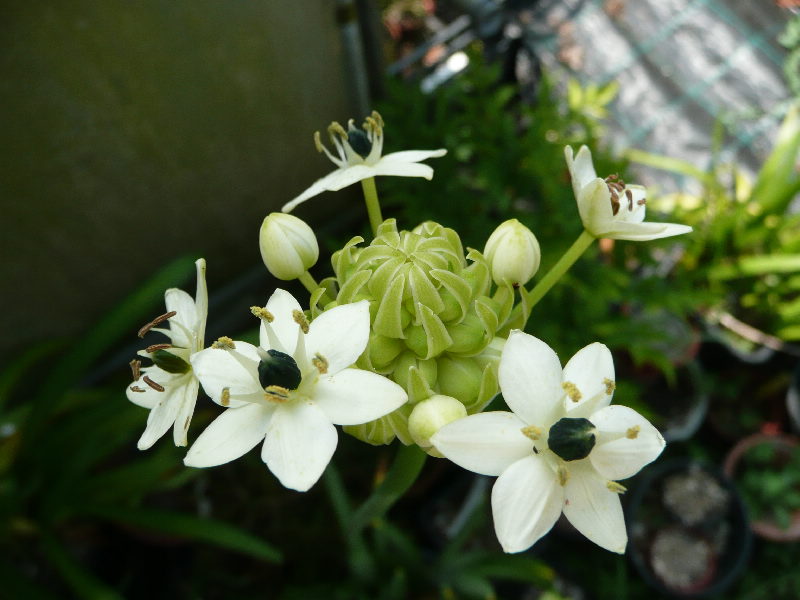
(262, 313)
(320, 362)
(615, 487)
(563, 475)
(633, 432)
(224, 343)
(610, 386)
(318, 142)
(225, 400)
(300, 319)
(532, 431)
(276, 393)
(572, 391)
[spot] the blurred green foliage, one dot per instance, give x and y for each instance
(67, 470)
(746, 246)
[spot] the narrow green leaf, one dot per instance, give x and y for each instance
(83, 583)
(402, 474)
(191, 527)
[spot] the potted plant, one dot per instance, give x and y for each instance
(688, 529)
(766, 469)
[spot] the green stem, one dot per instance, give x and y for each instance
(311, 284)
(361, 563)
(373, 206)
(580, 245)
(401, 475)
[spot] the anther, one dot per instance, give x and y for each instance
(615, 487)
(572, 391)
(614, 202)
(563, 475)
(633, 432)
(224, 343)
(300, 319)
(159, 319)
(641, 202)
(532, 431)
(225, 399)
(262, 313)
(276, 393)
(318, 142)
(154, 347)
(136, 366)
(157, 387)
(320, 363)
(335, 129)
(629, 196)
(136, 388)
(610, 386)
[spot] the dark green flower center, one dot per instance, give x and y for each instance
(572, 439)
(277, 368)
(359, 142)
(169, 362)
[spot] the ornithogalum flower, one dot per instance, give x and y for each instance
(290, 390)
(358, 156)
(169, 387)
(563, 447)
(608, 207)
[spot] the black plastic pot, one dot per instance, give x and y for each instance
(712, 535)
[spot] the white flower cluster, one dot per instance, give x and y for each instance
(562, 448)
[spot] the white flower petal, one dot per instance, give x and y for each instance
(184, 323)
(185, 411)
(284, 328)
(236, 370)
(530, 379)
(413, 156)
(591, 371)
(339, 335)
(231, 435)
(643, 232)
(624, 456)
(402, 169)
(336, 180)
(526, 503)
(353, 396)
(163, 415)
(594, 207)
(592, 509)
(581, 168)
(201, 304)
(148, 398)
(300, 443)
(486, 443)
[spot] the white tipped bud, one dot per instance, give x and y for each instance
(430, 415)
(288, 246)
(512, 252)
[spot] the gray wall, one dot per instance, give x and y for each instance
(134, 132)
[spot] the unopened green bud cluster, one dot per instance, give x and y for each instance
(436, 326)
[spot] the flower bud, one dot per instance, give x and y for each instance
(288, 246)
(512, 253)
(430, 415)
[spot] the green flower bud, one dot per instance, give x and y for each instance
(429, 416)
(288, 246)
(383, 350)
(428, 369)
(513, 253)
(459, 377)
(469, 336)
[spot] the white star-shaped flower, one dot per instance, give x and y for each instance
(169, 387)
(290, 390)
(563, 447)
(611, 209)
(359, 157)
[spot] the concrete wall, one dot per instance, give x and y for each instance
(134, 132)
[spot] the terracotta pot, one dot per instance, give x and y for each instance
(764, 528)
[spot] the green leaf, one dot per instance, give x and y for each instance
(402, 474)
(672, 165)
(83, 583)
(13, 372)
(757, 265)
(192, 528)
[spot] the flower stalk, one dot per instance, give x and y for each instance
(373, 205)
